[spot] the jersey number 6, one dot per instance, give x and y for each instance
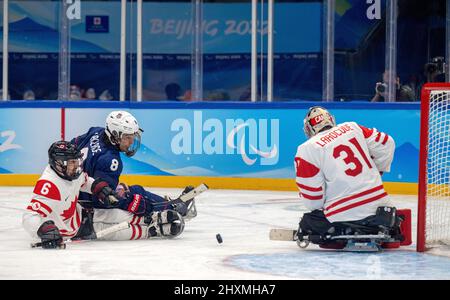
(45, 188)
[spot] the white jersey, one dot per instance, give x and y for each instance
(56, 199)
(338, 171)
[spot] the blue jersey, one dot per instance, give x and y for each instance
(100, 158)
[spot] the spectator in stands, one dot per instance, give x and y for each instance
(173, 91)
(105, 96)
(403, 92)
(29, 95)
(75, 92)
(435, 69)
(187, 96)
(217, 95)
(415, 84)
(90, 94)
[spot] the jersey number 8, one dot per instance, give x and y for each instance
(114, 165)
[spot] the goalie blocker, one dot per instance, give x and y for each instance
(389, 228)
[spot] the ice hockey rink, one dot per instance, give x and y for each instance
(243, 218)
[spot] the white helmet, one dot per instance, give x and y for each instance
(316, 120)
(122, 122)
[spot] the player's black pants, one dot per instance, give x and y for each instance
(315, 223)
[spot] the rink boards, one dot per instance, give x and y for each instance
(228, 145)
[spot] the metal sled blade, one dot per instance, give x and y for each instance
(353, 246)
(195, 192)
(361, 236)
(283, 234)
(192, 211)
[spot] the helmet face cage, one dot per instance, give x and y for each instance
(60, 155)
(61, 167)
(317, 119)
(134, 147)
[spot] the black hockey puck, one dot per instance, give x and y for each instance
(219, 238)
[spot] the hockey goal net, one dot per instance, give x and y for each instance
(433, 227)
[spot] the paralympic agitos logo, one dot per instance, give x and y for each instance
(252, 139)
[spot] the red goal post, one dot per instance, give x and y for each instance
(433, 225)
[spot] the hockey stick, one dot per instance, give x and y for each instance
(112, 229)
(191, 208)
(188, 196)
(194, 193)
(283, 234)
(97, 235)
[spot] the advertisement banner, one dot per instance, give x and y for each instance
(250, 143)
(167, 27)
(227, 142)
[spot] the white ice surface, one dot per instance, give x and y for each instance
(243, 218)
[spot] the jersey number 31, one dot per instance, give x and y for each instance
(350, 157)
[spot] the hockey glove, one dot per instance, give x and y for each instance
(104, 192)
(185, 208)
(179, 206)
(50, 236)
(136, 204)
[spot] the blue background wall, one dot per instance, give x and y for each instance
(202, 139)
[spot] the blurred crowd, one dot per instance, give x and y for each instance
(76, 93)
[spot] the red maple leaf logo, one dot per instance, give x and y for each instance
(70, 212)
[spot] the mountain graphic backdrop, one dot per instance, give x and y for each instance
(146, 162)
(4, 171)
